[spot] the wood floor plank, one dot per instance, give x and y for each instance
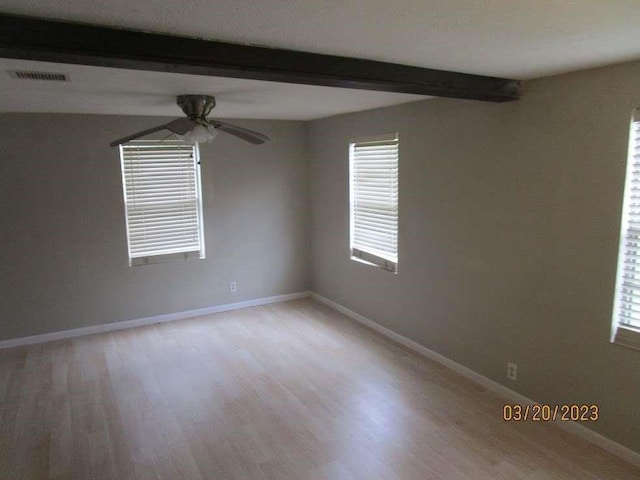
(285, 391)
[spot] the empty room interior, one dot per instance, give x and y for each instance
(320, 240)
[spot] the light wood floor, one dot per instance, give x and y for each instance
(286, 391)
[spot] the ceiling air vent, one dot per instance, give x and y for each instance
(46, 76)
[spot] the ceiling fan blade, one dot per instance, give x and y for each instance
(180, 126)
(149, 131)
(250, 136)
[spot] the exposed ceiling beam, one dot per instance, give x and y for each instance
(45, 40)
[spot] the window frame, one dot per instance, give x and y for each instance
(138, 260)
(624, 333)
(358, 254)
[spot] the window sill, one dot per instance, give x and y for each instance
(394, 271)
(164, 258)
(627, 336)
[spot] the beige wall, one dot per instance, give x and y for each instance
(63, 229)
(509, 218)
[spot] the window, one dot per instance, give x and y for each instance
(626, 310)
(374, 200)
(163, 204)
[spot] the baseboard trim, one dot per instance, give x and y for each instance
(169, 317)
(586, 433)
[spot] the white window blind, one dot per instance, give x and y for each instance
(374, 200)
(626, 315)
(161, 182)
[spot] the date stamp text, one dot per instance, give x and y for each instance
(550, 413)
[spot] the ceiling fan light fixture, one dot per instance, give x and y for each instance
(199, 134)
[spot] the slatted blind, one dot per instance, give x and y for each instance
(161, 181)
(627, 305)
(374, 200)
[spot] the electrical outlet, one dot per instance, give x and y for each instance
(233, 287)
(512, 371)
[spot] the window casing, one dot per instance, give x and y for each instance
(626, 309)
(373, 167)
(163, 200)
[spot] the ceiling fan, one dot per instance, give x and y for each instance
(196, 127)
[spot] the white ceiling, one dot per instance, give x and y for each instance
(115, 91)
(521, 39)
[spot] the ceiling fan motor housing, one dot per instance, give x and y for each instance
(196, 107)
